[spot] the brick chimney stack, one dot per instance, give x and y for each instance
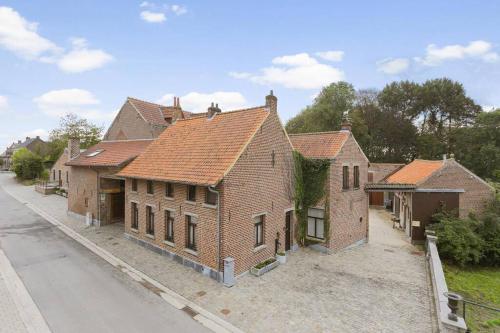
(272, 102)
(346, 124)
(177, 102)
(212, 110)
(73, 148)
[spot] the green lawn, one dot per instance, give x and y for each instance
(481, 285)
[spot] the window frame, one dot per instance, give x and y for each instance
(188, 193)
(191, 223)
(259, 221)
(134, 219)
(316, 219)
(169, 190)
(356, 177)
(345, 177)
(150, 220)
(210, 193)
(134, 185)
(169, 225)
(150, 187)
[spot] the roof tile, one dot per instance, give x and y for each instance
(414, 172)
(319, 145)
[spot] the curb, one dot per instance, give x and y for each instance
(204, 317)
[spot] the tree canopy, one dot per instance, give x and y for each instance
(407, 120)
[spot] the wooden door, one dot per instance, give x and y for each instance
(288, 230)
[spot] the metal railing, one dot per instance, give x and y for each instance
(484, 306)
(453, 301)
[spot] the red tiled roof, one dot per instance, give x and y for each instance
(319, 145)
(113, 153)
(151, 112)
(198, 150)
(414, 172)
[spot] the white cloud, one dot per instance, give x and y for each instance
(199, 102)
(145, 4)
(153, 17)
(42, 133)
(299, 71)
(21, 36)
(81, 59)
(478, 49)
(4, 103)
(178, 10)
(331, 55)
(488, 108)
(57, 103)
(393, 65)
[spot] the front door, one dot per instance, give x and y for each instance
(288, 230)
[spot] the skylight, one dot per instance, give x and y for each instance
(95, 153)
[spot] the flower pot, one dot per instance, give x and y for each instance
(259, 271)
(281, 258)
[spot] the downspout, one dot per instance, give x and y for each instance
(98, 198)
(212, 189)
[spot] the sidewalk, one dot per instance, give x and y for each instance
(9, 315)
(377, 287)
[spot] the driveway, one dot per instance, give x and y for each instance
(381, 286)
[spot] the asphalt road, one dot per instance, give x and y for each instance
(75, 290)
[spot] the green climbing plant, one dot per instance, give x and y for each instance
(310, 187)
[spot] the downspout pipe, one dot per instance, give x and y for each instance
(213, 190)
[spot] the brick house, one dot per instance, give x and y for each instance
(422, 188)
(377, 172)
(93, 186)
(59, 172)
(212, 188)
(348, 202)
(35, 145)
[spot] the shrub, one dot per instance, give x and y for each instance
(45, 175)
(457, 240)
(26, 164)
(489, 231)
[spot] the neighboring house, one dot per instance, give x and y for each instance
(377, 172)
(423, 188)
(214, 189)
(94, 189)
(348, 202)
(35, 145)
(60, 172)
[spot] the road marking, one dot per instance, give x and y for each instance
(28, 311)
(204, 317)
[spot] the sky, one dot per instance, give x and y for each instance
(86, 57)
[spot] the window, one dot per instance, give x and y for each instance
(134, 185)
(191, 193)
(169, 226)
(59, 175)
(259, 230)
(210, 197)
(54, 174)
(169, 190)
(150, 221)
(356, 176)
(191, 233)
(316, 223)
(95, 153)
(86, 202)
(67, 177)
(345, 177)
(135, 216)
(149, 187)
(273, 158)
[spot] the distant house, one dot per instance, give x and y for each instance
(59, 172)
(35, 145)
(348, 202)
(94, 188)
(377, 172)
(214, 187)
(423, 188)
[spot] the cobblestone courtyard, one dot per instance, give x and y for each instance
(378, 287)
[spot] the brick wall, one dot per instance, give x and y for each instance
(59, 166)
(454, 176)
(348, 206)
(253, 187)
(381, 170)
(128, 125)
(205, 216)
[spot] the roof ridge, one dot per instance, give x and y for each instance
(204, 114)
(141, 100)
(315, 133)
(433, 161)
(128, 140)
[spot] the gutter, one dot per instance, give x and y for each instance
(211, 188)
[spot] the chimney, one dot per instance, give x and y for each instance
(73, 148)
(212, 110)
(272, 102)
(27, 138)
(346, 124)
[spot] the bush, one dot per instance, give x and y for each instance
(489, 231)
(26, 164)
(457, 240)
(45, 175)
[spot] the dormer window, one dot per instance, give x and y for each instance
(95, 153)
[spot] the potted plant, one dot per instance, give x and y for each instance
(264, 266)
(281, 257)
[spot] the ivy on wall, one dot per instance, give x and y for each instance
(310, 187)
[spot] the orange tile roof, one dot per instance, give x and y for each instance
(151, 112)
(319, 145)
(415, 172)
(198, 150)
(113, 154)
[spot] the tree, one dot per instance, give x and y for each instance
(70, 125)
(326, 113)
(26, 165)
